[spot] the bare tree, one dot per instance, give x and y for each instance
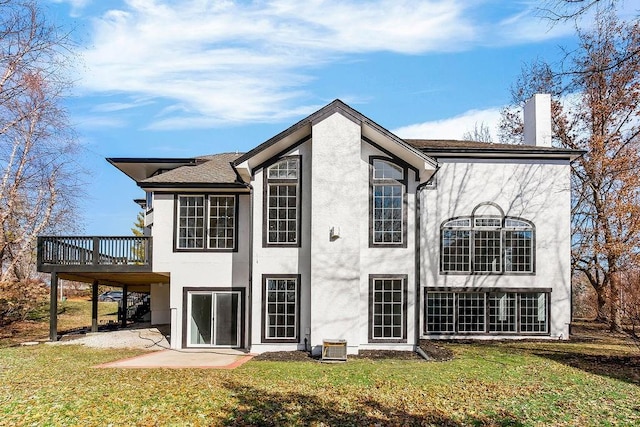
(39, 175)
(596, 108)
(564, 10)
(479, 133)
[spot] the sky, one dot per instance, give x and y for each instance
(182, 78)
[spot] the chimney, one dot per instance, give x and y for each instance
(537, 120)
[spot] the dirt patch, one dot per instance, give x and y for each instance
(433, 351)
(436, 352)
(285, 356)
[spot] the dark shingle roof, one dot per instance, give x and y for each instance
(432, 146)
(216, 169)
(213, 169)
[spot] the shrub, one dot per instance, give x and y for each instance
(21, 300)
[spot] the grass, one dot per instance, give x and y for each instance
(72, 314)
(591, 381)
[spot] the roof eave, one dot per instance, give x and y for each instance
(140, 168)
(195, 185)
(506, 154)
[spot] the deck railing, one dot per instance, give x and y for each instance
(94, 251)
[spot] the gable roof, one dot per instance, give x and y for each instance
(298, 133)
(232, 170)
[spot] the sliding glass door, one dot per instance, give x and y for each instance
(213, 319)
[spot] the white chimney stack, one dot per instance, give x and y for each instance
(537, 120)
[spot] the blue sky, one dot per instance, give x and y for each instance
(160, 78)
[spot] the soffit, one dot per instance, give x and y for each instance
(142, 168)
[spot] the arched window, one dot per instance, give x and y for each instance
(387, 209)
(487, 244)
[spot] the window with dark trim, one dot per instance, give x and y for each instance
(502, 311)
(508, 312)
(282, 203)
(388, 215)
(388, 308)
(206, 222)
(281, 306)
(487, 245)
(222, 215)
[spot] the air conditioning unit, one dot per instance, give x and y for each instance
(334, 350)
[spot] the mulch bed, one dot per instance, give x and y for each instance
(435, 353)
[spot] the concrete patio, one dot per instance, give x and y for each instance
(159, 355)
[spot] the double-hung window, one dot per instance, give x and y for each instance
(388, 214)
(206, 222)
(487, 245)
(282, 206)
(281, 295)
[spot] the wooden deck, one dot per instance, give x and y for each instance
(78, 254)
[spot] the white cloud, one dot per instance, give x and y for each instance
(529, 26)
(222, 61)
(455, 127)
(94, 122)
(76, 5)
(109, 107)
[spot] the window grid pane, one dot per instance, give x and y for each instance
(222, 213)
(284, 169)
(502, 312)
(495, 249)
(505, 311)
(487, 222)
(533, 312)
(487, 249)
(518, 251)
(471, 308)
(456, 251)
(191, 222)
(282, 212)
(386, 170)
(281, 308)
(387, 213)
(440, 312)
(388, 303)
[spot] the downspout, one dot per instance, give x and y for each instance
(250, 284)
(418, 203)
(250, 290)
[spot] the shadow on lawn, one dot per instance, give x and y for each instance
(624, 368)
(594, 349)
(271, 408)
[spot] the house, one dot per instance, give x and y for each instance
(338, 229)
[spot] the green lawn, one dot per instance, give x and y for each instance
(506, 384)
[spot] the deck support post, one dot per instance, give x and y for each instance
(53, 308)
(125, 302)
(94, 306)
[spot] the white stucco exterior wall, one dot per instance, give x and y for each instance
(336, 201)
(334, 272)
(160, 303)
(393, 261)
(197, 269)
(274, 260)
(538, 191)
